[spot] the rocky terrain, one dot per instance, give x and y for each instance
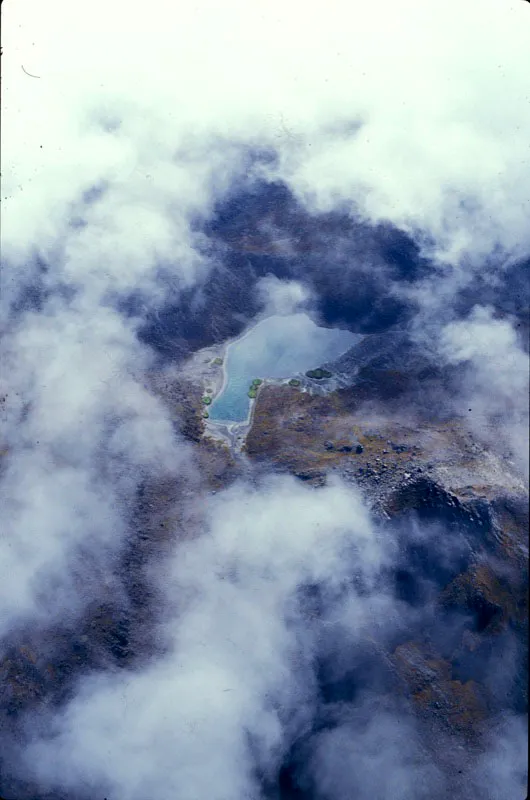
(382, 420)
(324, 596)
(380, 423)
(383, 423)
(427, 468)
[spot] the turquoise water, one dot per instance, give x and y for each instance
(277, 347)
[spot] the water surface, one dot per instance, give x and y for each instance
(277, 347)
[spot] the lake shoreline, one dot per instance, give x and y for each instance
(228, 430)
(234, 430)
(227, 347)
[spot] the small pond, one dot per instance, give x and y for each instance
(277, 347)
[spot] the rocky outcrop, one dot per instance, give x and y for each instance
(433, 471)
(183, 399)
(436, 694)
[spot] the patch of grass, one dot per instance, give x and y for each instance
(206, 400)
(253, 388)
(318, 374)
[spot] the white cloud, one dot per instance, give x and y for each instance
(413, 113)
(495, 392)
(240, 653)
(237, 685)
(378, 756)
(80, 430)
(282, 296)
(442, 144)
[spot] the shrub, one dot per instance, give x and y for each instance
(318, 374)
(206, 400)
(294, 382)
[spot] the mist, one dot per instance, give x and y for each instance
(396, 136)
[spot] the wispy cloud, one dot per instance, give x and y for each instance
(136, 131)
(494, 393)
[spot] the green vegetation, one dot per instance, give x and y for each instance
(217, 361)
(206, 400)
(205, 415)
(294, 382)
(319, 373)
(253, 388)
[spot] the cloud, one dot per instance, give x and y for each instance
(503, 769)
(114, 162)
(135, 133)
(273, 626)
(374, 113)
(495, 389)
(376, 755)
(282, 296)
(80, 431)
(239, 660)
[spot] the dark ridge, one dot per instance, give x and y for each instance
(423, 570)
(244, 239)
(130, 306)
(361, 668)
(363, 264)
(247, 204)
(504, 287)
(205, 316)
(402, 252)
(292, 783)
(288, 786)
(431, 503)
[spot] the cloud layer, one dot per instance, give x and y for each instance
(239, 668)
(366, 108)
(117, 157)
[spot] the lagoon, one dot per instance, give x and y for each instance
(277, 347)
